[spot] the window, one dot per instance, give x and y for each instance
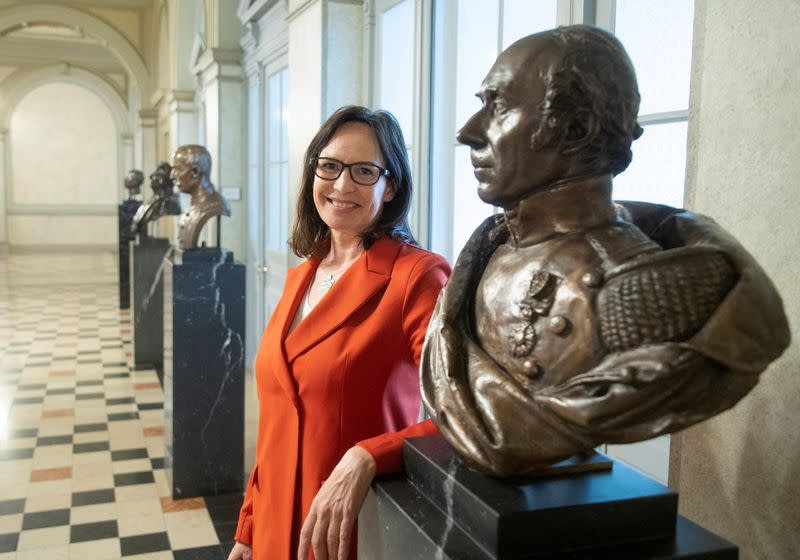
(658, 37)
(277, 203)
(439, 52)
(400, 84)
(480, 29)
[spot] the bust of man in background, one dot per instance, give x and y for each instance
(133, 182)
(570, 321)
(163, 202)
(191, 170)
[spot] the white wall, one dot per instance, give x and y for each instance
(738, 473)
(62, 169)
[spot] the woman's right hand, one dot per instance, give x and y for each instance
(241, 551)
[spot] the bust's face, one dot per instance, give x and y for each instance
(160, 182)
(132, 181)
(183, 173)
(500, 134)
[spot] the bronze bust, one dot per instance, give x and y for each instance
(569, 320)
(163, 202)
(191, 169)
(133, 182)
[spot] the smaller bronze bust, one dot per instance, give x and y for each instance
(133, 182)
(163, 202)
(191, 170)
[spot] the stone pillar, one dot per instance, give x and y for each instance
(148, 141)
(126, 163)
(181, 114)
(3, 174)
(325, 69)
(220, 73)
(737, 473)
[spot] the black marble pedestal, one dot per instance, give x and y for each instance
(147, 301)
(204, 318)
(126, 212)
(441, 509)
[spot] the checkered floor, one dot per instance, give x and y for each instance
(81, 432)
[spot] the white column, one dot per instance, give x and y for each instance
(737, 473)
(126, 161)
(182, 123)
(147, 141)
(220, 71)
(3, 194)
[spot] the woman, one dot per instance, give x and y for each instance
(337, 369)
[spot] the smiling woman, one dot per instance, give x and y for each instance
(338, 365)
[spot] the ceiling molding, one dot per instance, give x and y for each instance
(108, 35)
(20, 51)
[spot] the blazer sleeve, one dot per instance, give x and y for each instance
(424, 284)
(244, 530)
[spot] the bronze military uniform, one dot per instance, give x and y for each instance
(584, 329)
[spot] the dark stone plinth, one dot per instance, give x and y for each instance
(204, 318)
(442, 509)
(126, 212)
(147, 301)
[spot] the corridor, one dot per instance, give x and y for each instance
(81, 432)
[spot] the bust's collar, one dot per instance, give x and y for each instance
(568, 206)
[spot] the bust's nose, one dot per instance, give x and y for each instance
(472, 133)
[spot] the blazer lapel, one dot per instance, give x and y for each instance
(368, 275)
(297, 280)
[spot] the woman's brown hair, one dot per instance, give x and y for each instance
(309, 231)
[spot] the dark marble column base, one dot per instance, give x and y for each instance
(442, 509)
(147, 301)
(204, 318)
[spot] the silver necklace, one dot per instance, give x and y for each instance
(326, 283)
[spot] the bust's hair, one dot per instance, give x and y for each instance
(135, 175)
(309, 231)
(593, 76)
(197, 156)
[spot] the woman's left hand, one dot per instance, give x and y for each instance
(328, 527)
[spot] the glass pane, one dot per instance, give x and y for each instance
(476, 51)
(253, 125)
(524, 17)
(658, 37)
(468, 210)
(274, 122)
(273, 198)
(657, 172)
(284, 206)
(284, 156)
(397, 64)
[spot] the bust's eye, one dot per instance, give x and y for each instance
(498, 105)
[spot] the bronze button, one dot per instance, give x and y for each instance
(530, 368)
(558, 324)
(591, 279)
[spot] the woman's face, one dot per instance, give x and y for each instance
(344, 205)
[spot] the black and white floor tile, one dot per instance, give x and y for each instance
(81, 432)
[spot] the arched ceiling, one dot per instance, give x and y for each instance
(66, 32)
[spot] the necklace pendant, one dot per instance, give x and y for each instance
(325, 285)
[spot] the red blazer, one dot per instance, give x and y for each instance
(348, 372)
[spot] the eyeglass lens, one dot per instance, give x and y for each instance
(361, 172)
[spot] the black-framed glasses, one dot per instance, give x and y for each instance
(361, 172)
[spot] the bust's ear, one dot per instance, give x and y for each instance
(580, 131)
